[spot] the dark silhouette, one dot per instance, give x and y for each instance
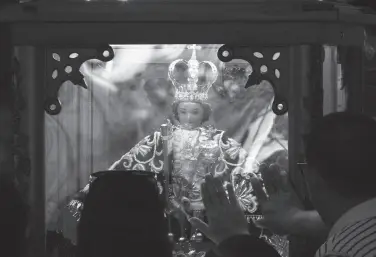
(342, 148)
(340, 154)
(13, 219)
(123, 215)
(339, 174)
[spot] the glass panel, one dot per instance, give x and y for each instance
(128, 99)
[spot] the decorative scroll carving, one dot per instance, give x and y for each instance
(63, 64)
(268, 63)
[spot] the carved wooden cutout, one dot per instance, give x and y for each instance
(63, 64)
(268, 63)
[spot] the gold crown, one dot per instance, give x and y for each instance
(192, 90)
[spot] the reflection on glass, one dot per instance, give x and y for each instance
(214, 126)
(335, 94)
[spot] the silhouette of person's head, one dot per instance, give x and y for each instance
(341, 151)
(123, 215)
(13, 219)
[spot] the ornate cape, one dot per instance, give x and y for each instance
(147, 155)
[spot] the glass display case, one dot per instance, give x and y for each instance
(177, 88)
(155, 101)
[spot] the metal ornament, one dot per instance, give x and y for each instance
(269, 64)
(63, 64)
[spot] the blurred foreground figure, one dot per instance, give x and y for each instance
(123, 216)
(340, 152)
(13, 219)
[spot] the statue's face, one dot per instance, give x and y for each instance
(190, 114)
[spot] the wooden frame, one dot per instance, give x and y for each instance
(224, 22)
(47, 24)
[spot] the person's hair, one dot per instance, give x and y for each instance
(13, 219)
(123, 215)
(205, 106)
(342, 148)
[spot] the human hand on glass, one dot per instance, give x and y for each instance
(225, 217)
(282, 211)
(280, 207)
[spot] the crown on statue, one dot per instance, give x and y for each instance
(194, 88)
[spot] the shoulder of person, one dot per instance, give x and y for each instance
(357, 239)
(335, 255)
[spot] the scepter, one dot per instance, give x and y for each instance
(167, 171)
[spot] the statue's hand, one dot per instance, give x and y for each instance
(216, 169)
